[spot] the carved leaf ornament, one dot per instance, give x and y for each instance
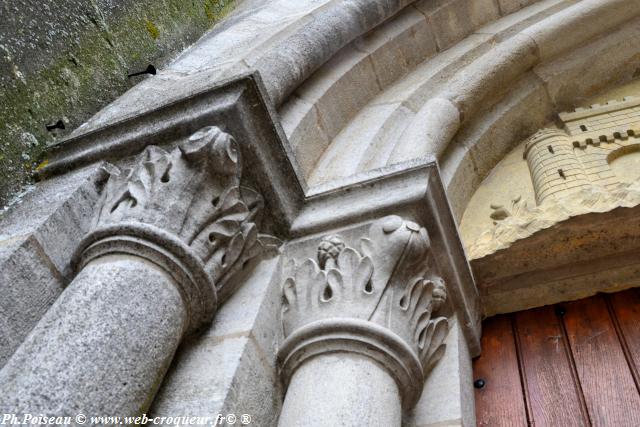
(388, 281)
(186, 211)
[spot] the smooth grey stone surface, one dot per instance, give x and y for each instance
(102, 348)
(341, 389)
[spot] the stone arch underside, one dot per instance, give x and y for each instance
(409, 87)
(361, 84)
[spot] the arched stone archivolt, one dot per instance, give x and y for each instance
(466, 101)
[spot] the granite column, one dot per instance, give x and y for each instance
(361, 328)
(168, 235)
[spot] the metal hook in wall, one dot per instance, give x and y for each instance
(57, 125)
(149, 70)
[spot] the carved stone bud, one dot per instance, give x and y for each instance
(329, 249)
(379, 301)
(185, 211)
(439, 293)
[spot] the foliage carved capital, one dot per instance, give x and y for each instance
(380, 300)
(185, 211)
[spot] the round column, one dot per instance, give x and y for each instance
(346, 389)
(103, 347)
(167, 236)
(361, 328)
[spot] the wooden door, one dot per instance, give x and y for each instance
(572, 364)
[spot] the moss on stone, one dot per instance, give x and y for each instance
(152, 29)
(216, 10)
(92, 72)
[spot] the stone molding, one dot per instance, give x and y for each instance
(523, 221)
(381, 301)
(186, 212)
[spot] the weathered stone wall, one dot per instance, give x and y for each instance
(62, 60)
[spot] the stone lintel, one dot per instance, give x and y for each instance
(572, 259)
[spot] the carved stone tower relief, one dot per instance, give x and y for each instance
(571, 174)
(555, 168)
(562, 162)
(556, 219)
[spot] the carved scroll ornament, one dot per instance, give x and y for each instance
(380, 300)
(185, 211)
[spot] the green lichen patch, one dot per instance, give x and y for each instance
(88, 73)
(216, 9)
(152, 29)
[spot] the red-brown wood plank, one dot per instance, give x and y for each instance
(553, 392)
(608, 386)
(626, 308)
(500, 402)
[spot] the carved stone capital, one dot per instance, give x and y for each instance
(380, 300)
(185, 211)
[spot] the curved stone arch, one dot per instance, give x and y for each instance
(422, 38)
(498, 75)
(623, 162)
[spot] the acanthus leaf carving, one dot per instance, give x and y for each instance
(190, 203)
(389, 282)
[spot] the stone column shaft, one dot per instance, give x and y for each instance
(103, 347)
(360, 328)
(346, 389)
